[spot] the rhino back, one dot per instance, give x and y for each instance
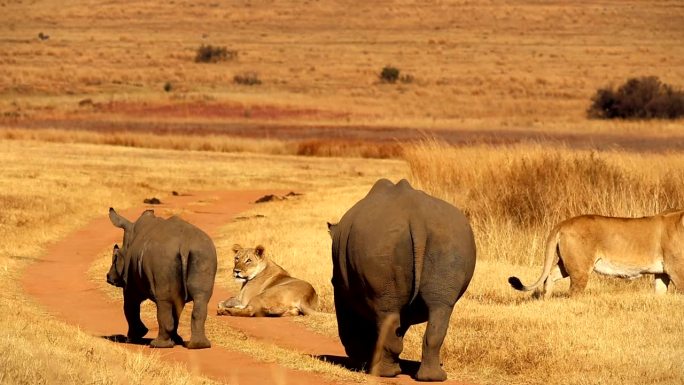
(157, 257)
(373, 249)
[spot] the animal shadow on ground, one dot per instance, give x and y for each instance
(408, 367)
(121, 339)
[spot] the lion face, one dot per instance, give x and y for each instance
(248, 262)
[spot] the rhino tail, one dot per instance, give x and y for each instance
(419, 241)
(184, 259)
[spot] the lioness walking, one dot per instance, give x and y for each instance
(267, 289)
(619, 247)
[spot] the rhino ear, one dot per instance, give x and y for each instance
(115, 252)
(236, 248)
(259, 251)
(118, 220)
(331, 228)
(147, 212)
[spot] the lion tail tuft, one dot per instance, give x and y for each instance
(516, 283)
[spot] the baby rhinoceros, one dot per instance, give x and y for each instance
(267, 289)
(170, 262)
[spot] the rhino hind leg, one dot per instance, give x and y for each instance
(390, 343)
(438, 323)
(167, 323)
(199, 340)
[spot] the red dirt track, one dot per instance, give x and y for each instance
(73, 298)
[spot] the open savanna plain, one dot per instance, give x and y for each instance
(108, 107)
(618, 332)
(482, 66)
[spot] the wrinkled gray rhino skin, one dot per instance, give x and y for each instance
(170, 262)
(400, 257)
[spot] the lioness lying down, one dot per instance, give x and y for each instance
(267, 289)
(620, 247)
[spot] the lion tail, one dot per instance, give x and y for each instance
(184, 254)
(551, 246)
(419, 242)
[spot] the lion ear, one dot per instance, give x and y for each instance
(259, 251)
(236, 248)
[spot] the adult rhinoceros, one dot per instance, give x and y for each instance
(400, 257)
(170, 262)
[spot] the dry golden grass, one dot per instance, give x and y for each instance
(506, 191)
(61, 186)
(211, 143)
(482, 65)
(617, 333)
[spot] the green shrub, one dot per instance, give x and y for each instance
(214, 54)
(389, 74)
(639, 98)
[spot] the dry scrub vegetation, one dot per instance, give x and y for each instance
(482, 65)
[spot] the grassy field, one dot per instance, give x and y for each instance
(60, 187)
(481, 65)
(619, 332)
(517, 66)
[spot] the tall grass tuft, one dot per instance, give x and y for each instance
(519, 193)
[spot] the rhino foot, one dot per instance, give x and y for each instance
(199, 344)
(431, 374)
(162, 343)
(385, 369)
(135, 335)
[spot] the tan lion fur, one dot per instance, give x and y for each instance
(267, 289)
(621, 247)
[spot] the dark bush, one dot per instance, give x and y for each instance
(168, 87)
(389, 74)
(214, 54)
(247, 79)
(639, 98)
